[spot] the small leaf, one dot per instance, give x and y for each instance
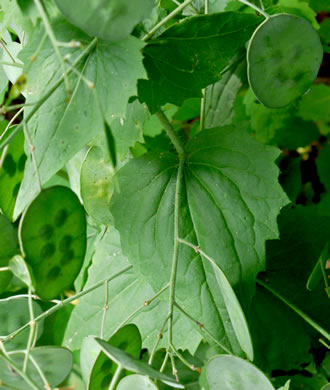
(14, 313)
(129, 363)
(53, 234)
(54, 362)
(22, 271)
(127, 339)
(232, 373)
(96, 185)
(315, 105)
(178, 61)
(136, 382)
(287, 52)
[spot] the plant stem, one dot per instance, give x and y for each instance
(262, 12)
(171, 133)
(162, 368)
(22, 374)
(2, 44)
(42, 375)
(32, 324)
(303, 315)
(13, 64)
(184, 361)
(175, 257)
(43, 99)
(202, 327)
(140, 308)
(4, 269)
(174, 370)
(53, 41)
(66, 302)
(165, 20)
(115, 378)
(105, 308)
(159, 337)
(18, 113)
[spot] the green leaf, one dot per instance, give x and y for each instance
(320, 5)
(111, 20)
(281, 339)
(325, 34)
(14, 313)
(120, 63)
(290, 260)
(138, 382)
(127, 339)
(178, 61)
(220, 97)
(53, 235)
(232, 373)
(299, 8)
(129, 363)
(315, 105)
(55, 363)
(11, 175)
(287, 51)
(286, 386)
(22, 271)
(126, 294)
(96, 183)
(8, 248)
(229, 203)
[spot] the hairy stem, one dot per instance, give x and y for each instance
(165, 20)
(171, 133)
(32, 324)
(66, 302)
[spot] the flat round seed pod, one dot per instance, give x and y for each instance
(53, 234)
(284, 56)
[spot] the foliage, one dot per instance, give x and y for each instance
(164, 194)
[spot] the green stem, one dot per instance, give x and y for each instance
(171, 133)
(159, 337)
(165, 20)
(13, 64)
(303, 315)
(262, 12)
(66, 302)
(175, 257)
(140, 308)
(3, 45)
(22, 374)
(53, 41)
(162, 368)
(115, 378)
(184, 361)
(32, 324)
(18, 113)
(43, 99)
(41, 374)
(203, 329)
